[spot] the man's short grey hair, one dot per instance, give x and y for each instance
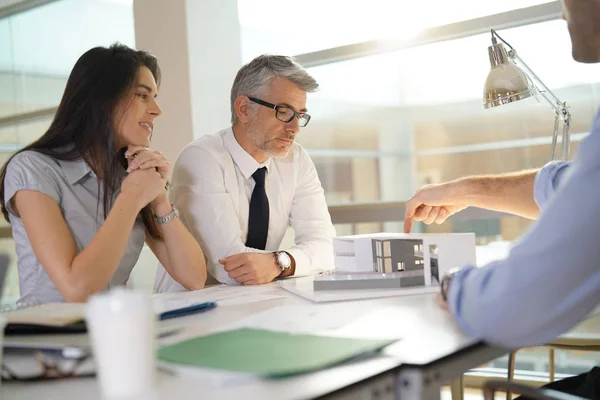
(254, 78)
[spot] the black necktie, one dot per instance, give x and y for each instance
(258, 219)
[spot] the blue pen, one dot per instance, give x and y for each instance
(181, 312)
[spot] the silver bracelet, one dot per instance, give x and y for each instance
(169, 217)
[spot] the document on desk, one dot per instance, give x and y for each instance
(266, 353)
(207, 376)
(341, 320)
(224, 296)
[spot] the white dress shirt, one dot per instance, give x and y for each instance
(212, 186)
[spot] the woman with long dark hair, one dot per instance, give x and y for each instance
(84, 197)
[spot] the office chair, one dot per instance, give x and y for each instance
(490, 388)
(4, 263)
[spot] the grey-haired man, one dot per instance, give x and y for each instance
(239, 189)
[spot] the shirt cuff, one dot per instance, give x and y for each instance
(218, 272)
(548, 180)
(302, 261)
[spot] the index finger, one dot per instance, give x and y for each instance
(228, 258)
(411, 207)
(232, 262)
(408, 222)
(131, 150)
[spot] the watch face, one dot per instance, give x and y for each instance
(283, 259)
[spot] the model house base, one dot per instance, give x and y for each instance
(420, 259)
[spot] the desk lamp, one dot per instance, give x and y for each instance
(510, 80)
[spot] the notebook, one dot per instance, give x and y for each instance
(46, 319)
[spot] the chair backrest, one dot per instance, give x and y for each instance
(4, 263)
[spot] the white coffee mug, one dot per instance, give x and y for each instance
(121, 324)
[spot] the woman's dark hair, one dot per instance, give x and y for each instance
(84, 123)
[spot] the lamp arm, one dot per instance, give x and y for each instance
(566, 138)
(561, 111)
(559, 107)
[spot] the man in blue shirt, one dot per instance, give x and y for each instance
(551, 278)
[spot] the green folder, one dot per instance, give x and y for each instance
(267, 353)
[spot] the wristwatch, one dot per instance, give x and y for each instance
(167, 218)
(445, 284)
(283, 260)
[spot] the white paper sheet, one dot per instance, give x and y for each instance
(357, 320)
(303, 318)
(215, 378)
(224, 296)
(251, 298)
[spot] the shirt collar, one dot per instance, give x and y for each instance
(75, 170)
(245, 162)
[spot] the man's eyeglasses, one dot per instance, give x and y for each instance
(284, 113)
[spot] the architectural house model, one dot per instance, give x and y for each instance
(420, 259)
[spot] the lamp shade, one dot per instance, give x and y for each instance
(506, 83)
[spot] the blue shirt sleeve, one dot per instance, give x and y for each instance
(549, 179)
(551, 277)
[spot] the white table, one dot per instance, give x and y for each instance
(432, 352)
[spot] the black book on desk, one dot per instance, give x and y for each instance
(49, 318)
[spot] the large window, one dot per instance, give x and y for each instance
(39, 47)
(287, 27)
(385, 124)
